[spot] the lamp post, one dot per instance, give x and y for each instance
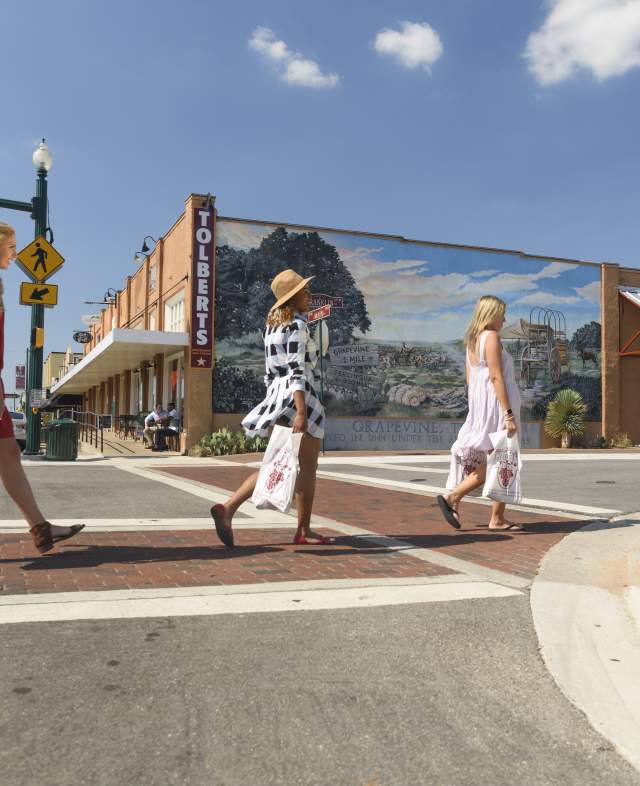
(42, 161)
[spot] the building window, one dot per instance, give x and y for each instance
(153, 276)
(174, 314)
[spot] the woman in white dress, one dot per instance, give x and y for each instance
(494, 405)
(291, 400)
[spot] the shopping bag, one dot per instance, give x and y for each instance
(277, 478)
(463, 462)
(504, 467)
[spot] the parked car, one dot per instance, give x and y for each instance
(20, 428)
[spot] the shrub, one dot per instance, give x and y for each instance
(566, 416)
(620, 441)
(226, 443)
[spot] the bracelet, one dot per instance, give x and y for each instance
(509, 412)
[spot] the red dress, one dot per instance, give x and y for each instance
(6, 424)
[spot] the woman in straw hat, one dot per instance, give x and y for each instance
(291, 400)
(494, 405)
(44, 534)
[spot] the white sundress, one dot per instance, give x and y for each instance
(290, 356)
(485, 414)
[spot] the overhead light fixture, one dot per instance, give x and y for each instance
(145, 248)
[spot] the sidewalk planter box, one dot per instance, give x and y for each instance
(62, 440)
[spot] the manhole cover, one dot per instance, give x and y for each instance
(607, 482)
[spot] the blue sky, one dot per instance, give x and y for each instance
(336, 115)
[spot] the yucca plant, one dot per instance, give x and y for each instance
(566, 416)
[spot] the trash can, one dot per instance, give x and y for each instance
(62, 440)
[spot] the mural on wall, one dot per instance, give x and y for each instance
(395, 342)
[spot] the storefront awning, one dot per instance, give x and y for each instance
(120, 350)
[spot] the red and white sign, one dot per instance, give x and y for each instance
(319, 313)
(21, 377)
(202, 287)
(318, 299)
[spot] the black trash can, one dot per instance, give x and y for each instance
(62, 440)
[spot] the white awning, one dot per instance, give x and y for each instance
(120, 350)
(631, 293)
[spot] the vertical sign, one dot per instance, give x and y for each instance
(202, 288)
(21, 376)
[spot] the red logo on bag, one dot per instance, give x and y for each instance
(275, 477)
(470, 459)
(507, 466)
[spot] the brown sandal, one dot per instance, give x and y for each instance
(44, 539)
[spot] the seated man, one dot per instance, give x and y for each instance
(151, 423)
(169, 426)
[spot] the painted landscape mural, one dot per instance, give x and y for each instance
(399, 312)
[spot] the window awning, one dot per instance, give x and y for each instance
(632, 294)
(121, 349)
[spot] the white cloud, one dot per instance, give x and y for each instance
(590, 291)
(292, 67)
(547, 299)
(239, 235)
(483, 273)
(600, 36)
(414, 45)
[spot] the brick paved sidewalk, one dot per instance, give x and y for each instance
(417, 519)
(135, 560)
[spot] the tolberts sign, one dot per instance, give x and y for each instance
(202, 287)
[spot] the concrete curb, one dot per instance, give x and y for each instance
(586, 611)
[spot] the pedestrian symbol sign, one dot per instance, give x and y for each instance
(38, 294)
(39, 259)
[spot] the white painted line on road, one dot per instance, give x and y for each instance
(201, 604)
(205, 491)
(18, 526)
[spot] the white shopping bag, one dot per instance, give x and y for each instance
(279, 471)
(463, 462)
(503, 469)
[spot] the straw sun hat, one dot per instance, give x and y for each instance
(287, 284)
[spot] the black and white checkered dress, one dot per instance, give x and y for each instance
(290, 359)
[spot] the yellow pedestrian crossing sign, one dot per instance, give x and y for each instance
(39, 259)
(38, 294)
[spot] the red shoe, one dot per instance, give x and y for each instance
(321, 540)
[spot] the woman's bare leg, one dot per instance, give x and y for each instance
(242, 494)
(473, 481)
(306, 483)
(498, 521)
(15, 482)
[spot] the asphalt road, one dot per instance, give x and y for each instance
(443, 693)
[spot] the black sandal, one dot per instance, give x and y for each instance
(44, 539)
(449, 513)
(224, 533)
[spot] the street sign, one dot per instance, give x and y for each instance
(37, 398)
(21, 376)
(318, 299)
(39, 294)
(319, 313)
(82, 336)
(39, 259)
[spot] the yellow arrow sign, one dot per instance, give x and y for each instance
(39, 259)
(39, 294)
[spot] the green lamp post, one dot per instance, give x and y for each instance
(42, 160)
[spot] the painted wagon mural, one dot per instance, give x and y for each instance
(394, 363)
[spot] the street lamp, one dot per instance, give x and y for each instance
(42, 158)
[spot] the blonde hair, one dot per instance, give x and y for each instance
(280, 316)
(6, 231)
(488, 308)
